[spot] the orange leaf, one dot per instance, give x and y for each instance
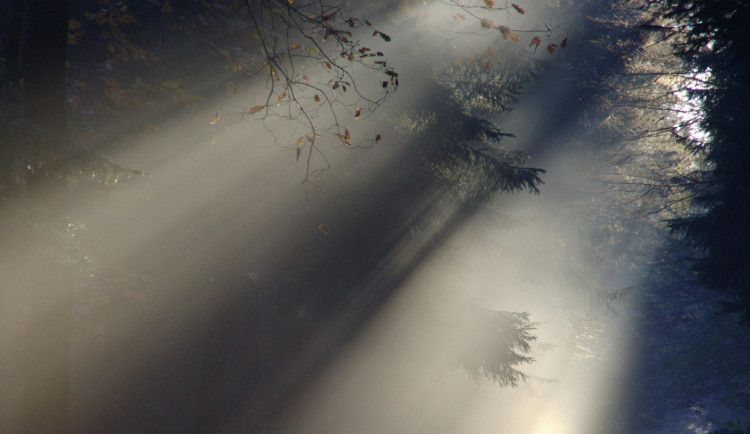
(462, 16)
(515, 37)
(294, 47)
(551, 48)
(536, 41)
(489, 3)
(519, 9)
(255, 109)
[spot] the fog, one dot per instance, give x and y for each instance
(308, 288)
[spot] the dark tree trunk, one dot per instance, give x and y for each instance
(42, 63)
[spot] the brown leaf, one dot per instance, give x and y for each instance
(486, 23)
(505, 31)
(283, 94)
(300, 141)
(515, 37)
(462, 16)
(299, 153)
(357, 113)
(518, 9)
(551, 48)
(316, 98)
(564, 43)
(378, 138)
(489, 3)
(536, 41)
(294, 47)
(255, 109)
(323, 228)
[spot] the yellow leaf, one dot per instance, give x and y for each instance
(300, 141)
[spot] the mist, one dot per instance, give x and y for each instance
(250, 270)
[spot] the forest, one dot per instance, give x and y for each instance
(405, 216)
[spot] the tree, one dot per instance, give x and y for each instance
(713, 39)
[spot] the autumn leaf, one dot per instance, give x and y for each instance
(328, 65)
(462, 16)
(564, 43)
(316, 98)
(346, 137)
(518, 9)
(350, 57)
(323, 228)
(294, 47)
(216, 118)
(300, 141)
(357, 113)
(378, 138)
(515, 37)
(384, 37)
(489, 3)
(255, 109)
(505, 31)
(551, 48)
(304, 78)
(283, 94)
(486, 23)
(299, 153)
(536, 41)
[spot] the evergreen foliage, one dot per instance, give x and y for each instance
(714, 41)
